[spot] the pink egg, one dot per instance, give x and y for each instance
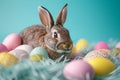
(118, 45)
(101, 45)
(3, 48)
(21, 54)
(12, 41)
(119, 56)
(78, 70)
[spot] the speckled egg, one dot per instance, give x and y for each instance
(7, 59)
(12, 41)
(101, 53)
(20, 54)
(3, 48)
(78, 70)
(81, 44)
(101, 45)
(102, 66)
(115, 51)
(25, 47)
(39, 50)
(118, 45)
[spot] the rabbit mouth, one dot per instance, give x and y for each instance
(59, 51)
(63, 51)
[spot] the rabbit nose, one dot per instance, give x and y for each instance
(65, 45)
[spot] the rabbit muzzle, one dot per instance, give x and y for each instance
(64, 47)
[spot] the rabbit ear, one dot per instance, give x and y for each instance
(62, 16)
(46, 17)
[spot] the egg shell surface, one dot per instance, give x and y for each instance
(101, 53)
(78, 70)
(3, 48)
(81, 44)
(12, 41)
(20, 54)
(36, 57)
(118, 45)
(25, 47)
(102, 66)
(118, 56)
(39, 50)
(101, 45)
(7, 59)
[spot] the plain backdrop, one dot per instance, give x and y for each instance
(93, 20)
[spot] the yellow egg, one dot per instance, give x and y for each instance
(7, 59)
(36, 57)
(102, 66)
(74, 49)
(81, 44)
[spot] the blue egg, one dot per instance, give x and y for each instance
(39, 50)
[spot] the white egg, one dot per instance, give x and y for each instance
(25, 47)
(21, 54)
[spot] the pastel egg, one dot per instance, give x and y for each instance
(81, 44)
(118, 45)
(101, 45)
(102, 66)
(115, 51)
(20, 54)
(75, 53)
(12, 41)
(101, 53)
(3, 48)
(25, 47)
(118, 56)
(78, 70)
(74, 49)
(36, 57)
(7, 59)
(39, 50)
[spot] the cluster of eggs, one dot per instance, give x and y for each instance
(12, 50)
(95, 63)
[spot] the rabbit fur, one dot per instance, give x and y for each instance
(54, 38)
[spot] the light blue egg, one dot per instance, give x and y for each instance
(39, 50)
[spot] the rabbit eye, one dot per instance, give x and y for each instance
(55, 35)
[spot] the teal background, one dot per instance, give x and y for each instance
(93, 20)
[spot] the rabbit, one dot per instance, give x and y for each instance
(55, 38)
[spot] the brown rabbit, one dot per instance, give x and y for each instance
(53, 37)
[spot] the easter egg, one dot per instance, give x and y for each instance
(74, 49)
(25, 47)
(20, 54)
(7, 59)
(101, 66)
(36, 57)
(81, 44)
(118, 56)
(115, 51)
(12, 41)
(101, 45)
(3, 48)
(39, 50)
(78, 70)
(75, 53)
(118, 45)
(101, 53)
